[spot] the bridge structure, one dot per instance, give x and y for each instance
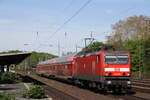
(12, 58)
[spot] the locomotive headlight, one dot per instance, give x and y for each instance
(106, 74)
(108, 82)
(128, 82)
(128, 74)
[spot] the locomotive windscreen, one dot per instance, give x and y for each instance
(117, 59)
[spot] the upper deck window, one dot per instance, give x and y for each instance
(116, 59)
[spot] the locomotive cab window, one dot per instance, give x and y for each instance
(117, 59)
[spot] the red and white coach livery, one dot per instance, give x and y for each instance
(103, 69)
(61, 66)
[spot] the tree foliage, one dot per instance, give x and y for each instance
(11, 51)
(133, 34)
(35, 58)
(134, 27)
(95, 46)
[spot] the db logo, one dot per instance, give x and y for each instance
(117, 69)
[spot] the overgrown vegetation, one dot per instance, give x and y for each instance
(9, 77)
(11, 51)
(35, 92)
(4, 96)
(36, 57)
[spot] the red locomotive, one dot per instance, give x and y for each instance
(102, 70)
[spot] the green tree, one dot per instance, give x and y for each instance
(133, 34)
(95, 46)
(134, 27)
(36, 57)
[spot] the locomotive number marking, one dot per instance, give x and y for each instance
(117, 69)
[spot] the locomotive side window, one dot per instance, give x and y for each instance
(98, 59)
(76, 67)
(93, 66)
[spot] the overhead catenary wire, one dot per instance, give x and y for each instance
(69, 5)
(68, 20)
(74, 15)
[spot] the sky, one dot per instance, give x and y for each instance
(31, 25)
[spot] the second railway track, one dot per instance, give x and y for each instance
(141, 85)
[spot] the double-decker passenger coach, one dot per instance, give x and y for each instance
(60, 67)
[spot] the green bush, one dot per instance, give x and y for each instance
(35, 92)
(4, 96)
(9, 77)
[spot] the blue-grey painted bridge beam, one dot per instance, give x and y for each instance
(14, 58)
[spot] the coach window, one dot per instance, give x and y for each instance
(98, 59)
(65, 66)
(75, 64)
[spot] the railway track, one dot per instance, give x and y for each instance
(130, 96)
(141, 85)
(50, 91)
(61, 91)
(145, 81)
(56, 94)
(127, 97)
